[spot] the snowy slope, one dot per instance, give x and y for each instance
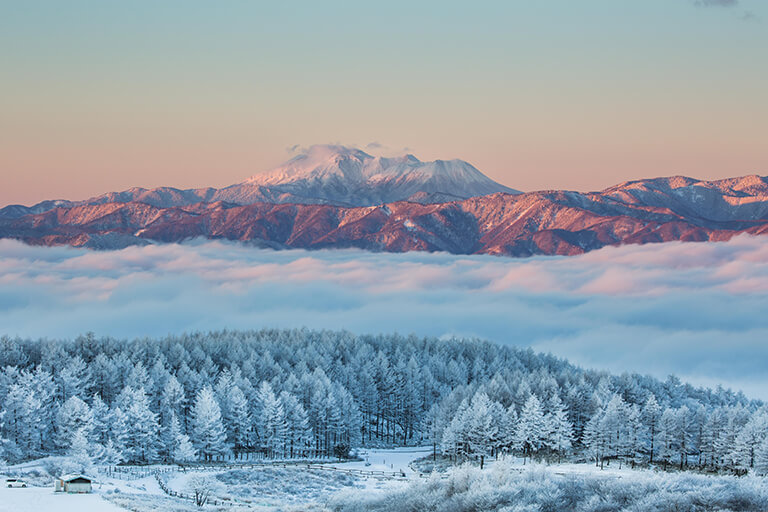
(343, 175)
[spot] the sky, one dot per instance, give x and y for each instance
(104, 95)
(696, 310)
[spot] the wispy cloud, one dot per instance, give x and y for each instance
(716, 3)
(695, 309)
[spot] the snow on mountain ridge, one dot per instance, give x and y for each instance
(349, 176)
(322, 162)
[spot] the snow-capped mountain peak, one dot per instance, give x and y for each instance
(316, 163)
(346, 175)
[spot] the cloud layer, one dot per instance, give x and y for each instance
(694, 309)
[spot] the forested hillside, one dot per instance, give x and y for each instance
(301, 393)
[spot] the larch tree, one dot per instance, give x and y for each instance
(482, 429)
(558, 430)
(750, 438)
(761, 458)
(208, 433)
(274, 425)
(74, 418)
(142, 436)
(651, 414)
(531, 427)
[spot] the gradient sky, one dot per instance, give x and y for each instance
(104, 95)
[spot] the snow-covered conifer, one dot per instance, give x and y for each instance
(208, 433)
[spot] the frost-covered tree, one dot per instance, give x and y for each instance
(237, 420)
(614, 427)
(100, 412)
(650, 416)
(201, 487)
(454, 438)
(78, 450)
(172, 401)
(142, 436)
(273, 423)
(73, 379)
(338, 390)
(761, 458)
(73, 419)
(208, 434)
(184, 451)
(482, 429)
(531, 427)
(110, 455)
(22, 428)
(169, 436)
(119, 430)
(713, 428)
(558, 435)
(668, 432)
(635, 434)
(595, 439)
(750, 438)
(299, 432)
(683, 434)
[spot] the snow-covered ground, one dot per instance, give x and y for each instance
(259, 488)
(358, 485)
(43, 499)
(379, 471)
(390, 460)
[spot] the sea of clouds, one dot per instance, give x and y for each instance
(694, 309)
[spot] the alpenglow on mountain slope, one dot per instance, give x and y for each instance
(323, 174)
(545, 222)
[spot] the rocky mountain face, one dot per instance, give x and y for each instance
(545, 222)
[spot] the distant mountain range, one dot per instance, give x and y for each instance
(338, 197)
(324, 174)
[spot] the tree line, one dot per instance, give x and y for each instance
(302, 394)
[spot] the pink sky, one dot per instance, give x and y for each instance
(566, 94)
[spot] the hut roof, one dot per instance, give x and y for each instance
(74, 476)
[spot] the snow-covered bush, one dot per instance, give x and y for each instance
(284, 485)
(58, 466)
(543, 488)
(202, 488)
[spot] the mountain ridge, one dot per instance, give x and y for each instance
(541, 222)
(332, 196)
(322, 174)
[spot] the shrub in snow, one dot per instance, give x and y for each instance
(58, 466)
(202, 488)
(542, 488)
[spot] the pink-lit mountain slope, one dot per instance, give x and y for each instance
(323, 174)
(545, 222)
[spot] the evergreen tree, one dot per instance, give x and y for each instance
(237, 420)
(651, 415)
(142, 436)
(74, 418)
(299, 433)
(273, 422)
(761, 458)
(208, 434)
(531, 427)
(185, 451)
(558, 434)
(482, 429)
(100, 412)
(750, 438)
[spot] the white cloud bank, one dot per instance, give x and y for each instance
(695, 309)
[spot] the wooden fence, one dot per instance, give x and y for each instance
(135, 472)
